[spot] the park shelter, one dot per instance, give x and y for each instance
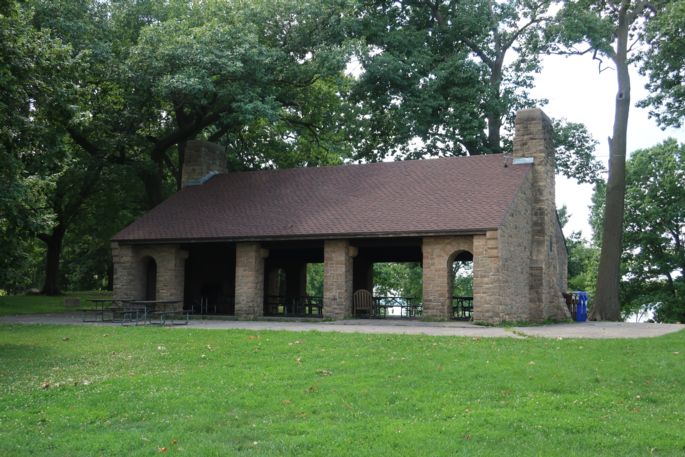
(238, 238)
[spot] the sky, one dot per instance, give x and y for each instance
(578, 92)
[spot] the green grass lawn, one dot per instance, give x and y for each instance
(32, 304)
(88, 391)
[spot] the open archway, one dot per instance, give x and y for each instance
(461, 285)
(150, 266)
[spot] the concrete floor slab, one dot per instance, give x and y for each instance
(396, 326)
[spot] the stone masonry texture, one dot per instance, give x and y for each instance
(202, 158)
(337, 279)
(249, 280)
(533, 138)
(438, 254)
(130, 275)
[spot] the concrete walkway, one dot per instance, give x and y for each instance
(409, 327)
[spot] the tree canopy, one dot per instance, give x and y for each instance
(98, 98)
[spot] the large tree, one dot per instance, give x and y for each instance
(608, 31)
(140, 78)
(654, 257)
(447, 78)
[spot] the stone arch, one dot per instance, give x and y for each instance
(438, 255)
(149, 267)
(460, 266)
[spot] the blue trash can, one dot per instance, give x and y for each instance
(581, 307)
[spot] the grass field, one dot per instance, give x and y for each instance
(32, 304)
(88, 391)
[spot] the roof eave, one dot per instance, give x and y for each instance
(328, 236)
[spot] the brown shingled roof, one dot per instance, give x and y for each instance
(448, 195)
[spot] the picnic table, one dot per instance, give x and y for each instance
(160, 312)
(96, 312)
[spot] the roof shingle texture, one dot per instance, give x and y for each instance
(448, 195)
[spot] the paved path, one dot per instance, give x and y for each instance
(410, 327)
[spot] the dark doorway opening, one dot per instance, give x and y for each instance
(150, 279)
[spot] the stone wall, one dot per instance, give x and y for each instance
(438, 254)
(514, 246)
(337, 278)
(533, 138)
(249, 280)
(200, 159)
(487, 303)
(130, 274)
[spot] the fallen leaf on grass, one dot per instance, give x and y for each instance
(298, 360)
(162, 449)
(66, 338)
(531, 363)
(252, 337)
(287, 402)
(324, 372)
(45, 385)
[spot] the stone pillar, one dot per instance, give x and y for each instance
(533, 138)
(337, 278)
(200, 160)
(438, 255)
(249, 280)
(487, 300)
(128, 278)
(171, 261)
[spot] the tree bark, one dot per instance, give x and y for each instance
(606, 304)
(53, 244)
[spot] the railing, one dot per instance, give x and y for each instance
(276, 305)
(462, 308)
(203, 307)
(406, 307)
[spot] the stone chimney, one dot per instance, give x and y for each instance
(202, 160)
(547, 280)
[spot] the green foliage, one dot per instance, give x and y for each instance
(654, 257)
(575, 148)
(398, 280)
(33, 66)
(663, 61)
(437, 72)
(315, 279)
(83, 391)
(462, 279)
(116, 88)
(653, 260)
(583, 259)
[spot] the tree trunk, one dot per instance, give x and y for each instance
(494, 112)
(606, 304)
(53, 243)
(494, 136)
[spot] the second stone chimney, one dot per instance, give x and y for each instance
(202, 160)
